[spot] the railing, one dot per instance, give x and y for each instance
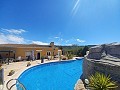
(19, 85)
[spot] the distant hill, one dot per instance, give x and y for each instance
(74, 49)
(74, 46)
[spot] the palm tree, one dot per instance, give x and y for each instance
(101, 82)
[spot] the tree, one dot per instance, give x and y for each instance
(101, 82)
(85, 49)
(73, 49)
(79, 52)
(61, 48)
(70, 56)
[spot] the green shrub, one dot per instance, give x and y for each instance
(101, 82)
(70, 56)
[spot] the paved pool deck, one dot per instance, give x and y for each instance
(19, 68)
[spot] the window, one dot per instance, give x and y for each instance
(28, 53)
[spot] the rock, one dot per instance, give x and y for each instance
(96, 49)
(101, 51)
(95, 52)
(104, 59)
(113, 49)
(79, 85)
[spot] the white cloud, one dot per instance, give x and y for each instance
(14, 31)
(16, 39)
(39, 43)
(13, 36)
(67, 41)
(5, 39)
(81, 41)
(61, 39)
(56, 37)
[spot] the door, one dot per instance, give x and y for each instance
(38, 55)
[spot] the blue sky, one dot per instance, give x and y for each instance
(64, 22)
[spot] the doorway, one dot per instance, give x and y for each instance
(38, 55)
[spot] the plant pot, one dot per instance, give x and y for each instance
(11, 72)
(28, 65)
(42, 60)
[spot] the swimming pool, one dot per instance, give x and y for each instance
(52, 76)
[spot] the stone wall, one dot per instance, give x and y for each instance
(91, 66)
(104, 59)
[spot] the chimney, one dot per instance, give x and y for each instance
(52, 44)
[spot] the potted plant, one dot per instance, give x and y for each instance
(42, 59)
(28, 64)
(11, 72)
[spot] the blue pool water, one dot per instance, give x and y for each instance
(52, 76)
